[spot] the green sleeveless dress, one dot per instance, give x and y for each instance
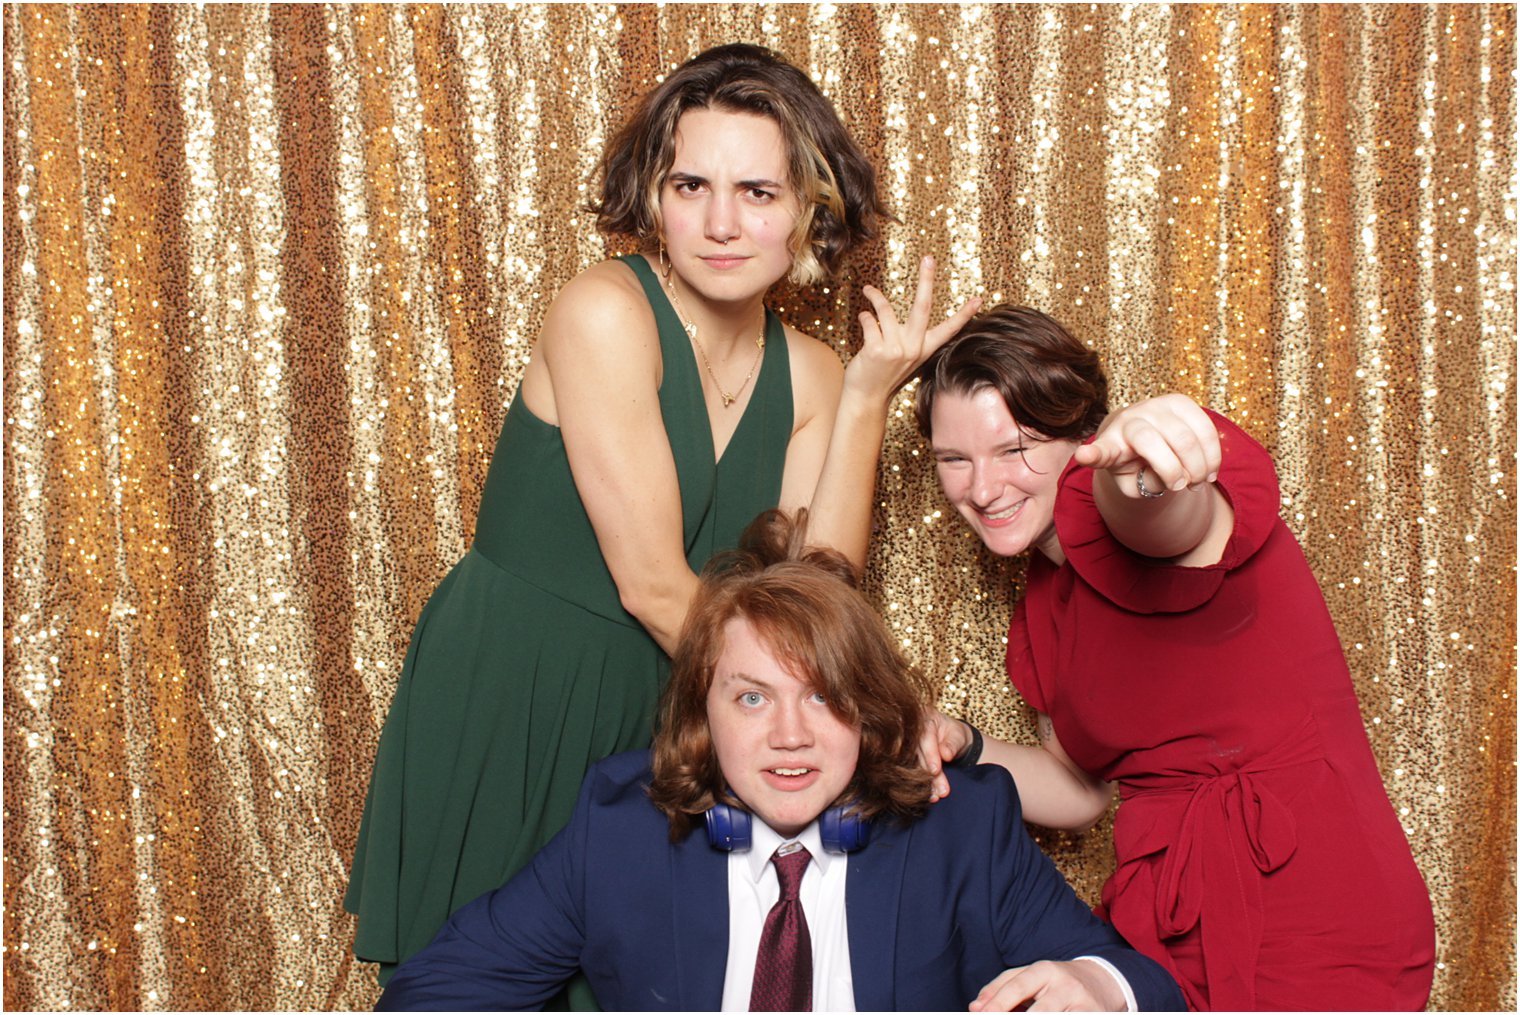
(524, 668)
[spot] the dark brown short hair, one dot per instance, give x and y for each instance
(834, 182)
(1051, 383)
(803, 604)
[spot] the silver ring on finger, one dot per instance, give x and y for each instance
(1140, 486)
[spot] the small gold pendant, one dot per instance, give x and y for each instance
(727, 399)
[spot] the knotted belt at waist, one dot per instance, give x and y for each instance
(1207, 839)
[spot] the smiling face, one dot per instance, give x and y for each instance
(727, 206)
(1001, 478)
(782, 750)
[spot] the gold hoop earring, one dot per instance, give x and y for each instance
(665, 266)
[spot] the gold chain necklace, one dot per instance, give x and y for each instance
(691, 332)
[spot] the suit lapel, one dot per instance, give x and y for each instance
(872, 901)
(699, 898)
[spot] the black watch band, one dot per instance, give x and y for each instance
(973, 752)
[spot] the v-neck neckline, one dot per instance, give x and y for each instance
(696, 371)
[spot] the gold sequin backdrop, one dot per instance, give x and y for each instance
(272, 275)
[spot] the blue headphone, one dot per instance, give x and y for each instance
(842, 831)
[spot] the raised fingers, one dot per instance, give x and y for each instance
(923, 297)
(886, 317)
(950, 326)
(870, 328)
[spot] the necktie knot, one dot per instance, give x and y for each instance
(789, 870)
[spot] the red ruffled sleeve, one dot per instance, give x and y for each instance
(1144, 585)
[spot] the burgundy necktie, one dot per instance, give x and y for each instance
(784, 963)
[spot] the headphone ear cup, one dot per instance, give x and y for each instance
(728, 828)
(843, 831)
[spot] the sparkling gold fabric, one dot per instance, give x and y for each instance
(272, 275)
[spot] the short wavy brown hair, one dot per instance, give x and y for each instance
(803, 604)
(834, 182)
(1051, 383)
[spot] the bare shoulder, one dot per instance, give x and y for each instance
(817, 375)
(598, 330)
(602, 308)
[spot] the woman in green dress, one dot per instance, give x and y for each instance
(665, 408)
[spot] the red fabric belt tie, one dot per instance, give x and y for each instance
(1228, 831)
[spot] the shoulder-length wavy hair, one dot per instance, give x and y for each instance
(834, 182)
(803, 604)
(1051, 383)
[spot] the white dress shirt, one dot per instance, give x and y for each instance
(753, 889)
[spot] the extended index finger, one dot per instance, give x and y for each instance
(947, 329)
(1108, 449)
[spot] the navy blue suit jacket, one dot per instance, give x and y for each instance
(935, 910)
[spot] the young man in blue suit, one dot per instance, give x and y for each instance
(790, 723)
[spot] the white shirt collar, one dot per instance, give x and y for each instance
(764, 841)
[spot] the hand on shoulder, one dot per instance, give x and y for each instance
(941, 743)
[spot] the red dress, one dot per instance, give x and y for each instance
(1259, 859)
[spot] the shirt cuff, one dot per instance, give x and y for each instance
(1129, 995)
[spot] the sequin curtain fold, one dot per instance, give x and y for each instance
(272, 274)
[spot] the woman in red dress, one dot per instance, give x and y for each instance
(1175, 644)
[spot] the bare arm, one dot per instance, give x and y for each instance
(1056, 792)
(1182, 516)
(597, 378)
(601, 360)
(831, 463)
